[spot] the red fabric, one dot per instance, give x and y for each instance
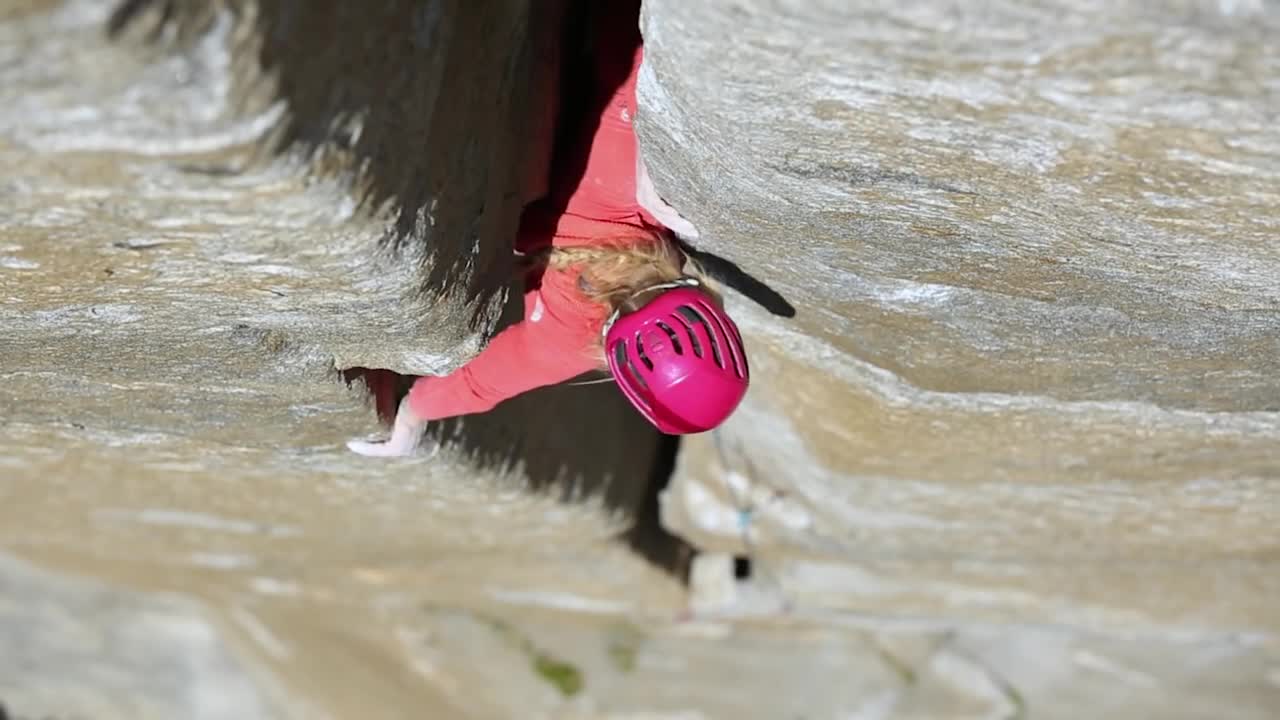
(591, 198)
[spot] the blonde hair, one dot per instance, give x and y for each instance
(613, 272)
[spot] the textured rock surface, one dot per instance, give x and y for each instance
(1034, 376)
(74, 650)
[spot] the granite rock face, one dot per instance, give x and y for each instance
(75, 650)
(1033, 376)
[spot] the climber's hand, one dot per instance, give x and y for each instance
(392, 447)
(406, 437)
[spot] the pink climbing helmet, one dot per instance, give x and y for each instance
(679, 359)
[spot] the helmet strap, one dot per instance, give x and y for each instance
(682, 281)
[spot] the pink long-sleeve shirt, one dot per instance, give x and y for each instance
(552, 343)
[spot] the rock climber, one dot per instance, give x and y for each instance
(606, 285)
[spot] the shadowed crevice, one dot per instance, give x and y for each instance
(731, 274)
(428, 102)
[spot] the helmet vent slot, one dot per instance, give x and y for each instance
(675, 339)
(644, 358)
(694, 343)
(624, 361)
(723, 333)
(693, 318)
